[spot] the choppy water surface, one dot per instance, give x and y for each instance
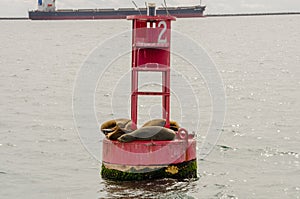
(257, 155)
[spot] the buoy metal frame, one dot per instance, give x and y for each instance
(151, 37)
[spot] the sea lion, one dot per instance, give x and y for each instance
(148, 133)
(174, 126)
(113, 129)
(111, 125)
(162, 122)
(118, 132)
(155, 122)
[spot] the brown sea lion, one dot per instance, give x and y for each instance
(118, 132)
(115, 128)
(148, 133)
(174, 126)
(155, 122)
(111, 125)
(162, 122)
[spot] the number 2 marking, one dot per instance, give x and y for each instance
(164, 24)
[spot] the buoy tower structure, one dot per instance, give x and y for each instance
(143, 160)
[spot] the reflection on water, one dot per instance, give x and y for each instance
(162, 188)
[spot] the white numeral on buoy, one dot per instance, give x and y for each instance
(164, 24)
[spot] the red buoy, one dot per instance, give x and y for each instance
(138, 160)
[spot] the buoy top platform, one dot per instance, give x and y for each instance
(166, 152)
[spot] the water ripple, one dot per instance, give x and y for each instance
(162, 188)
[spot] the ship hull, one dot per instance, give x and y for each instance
(186, 12)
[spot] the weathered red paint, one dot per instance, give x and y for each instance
(148, 152)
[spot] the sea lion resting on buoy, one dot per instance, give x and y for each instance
(115, 128)
(110, 125)
(121, 130)
(162, 122)
(148, 133)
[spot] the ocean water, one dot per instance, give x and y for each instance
(42, 155)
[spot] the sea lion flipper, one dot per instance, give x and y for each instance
(115, 135)
(122, 122)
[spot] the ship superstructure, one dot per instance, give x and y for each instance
(46, 6)
(47, 11)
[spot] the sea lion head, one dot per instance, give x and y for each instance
(108, 126)
(174, 126)
(114, 125)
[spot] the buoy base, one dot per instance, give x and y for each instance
(182, 170)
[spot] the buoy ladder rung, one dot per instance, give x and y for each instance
(165, 93)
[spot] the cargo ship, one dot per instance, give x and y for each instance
(47, 11)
